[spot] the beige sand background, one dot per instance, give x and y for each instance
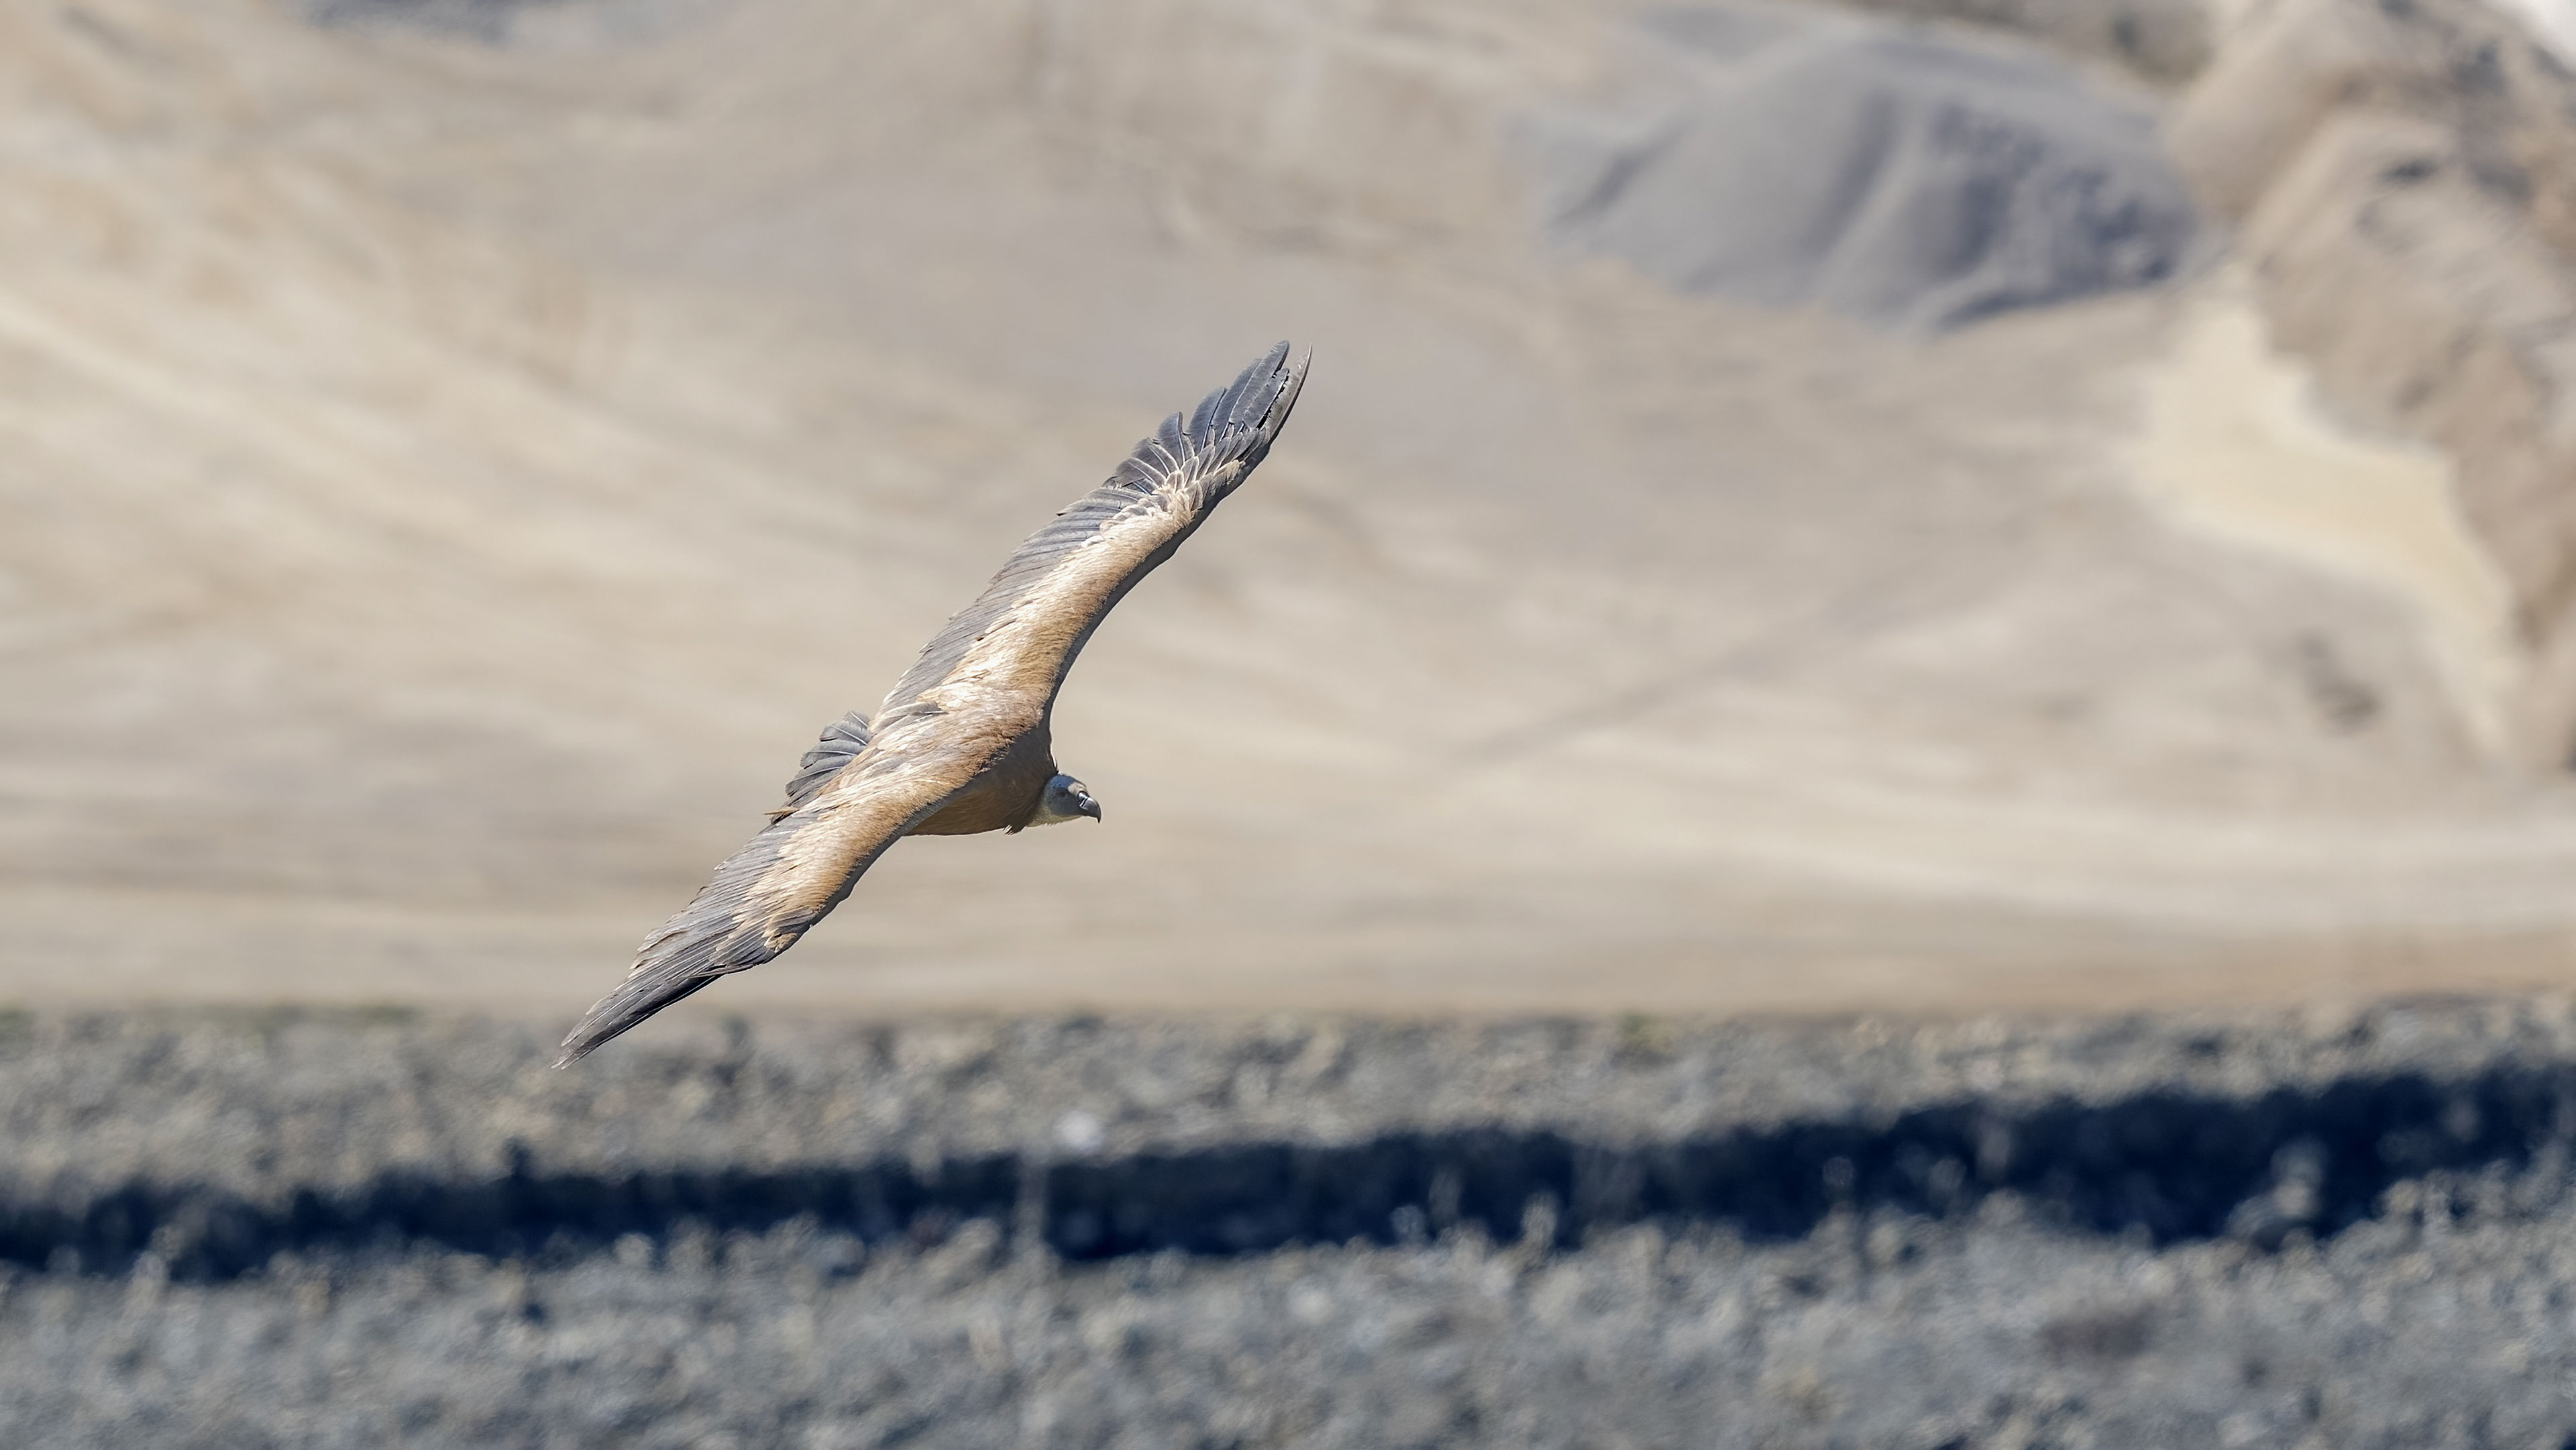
(447, 475)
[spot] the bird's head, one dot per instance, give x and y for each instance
(1065, 799)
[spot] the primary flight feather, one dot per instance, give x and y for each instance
(961, 743)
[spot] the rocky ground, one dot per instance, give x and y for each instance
(2349, 1228)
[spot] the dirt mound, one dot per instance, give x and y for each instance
(2162, 41)
(1905, 178)
(2405, 184)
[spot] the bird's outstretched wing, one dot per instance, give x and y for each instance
(1022, 634)
(786, 878)
(986, 680)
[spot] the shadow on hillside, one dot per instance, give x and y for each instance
(2165, 1165)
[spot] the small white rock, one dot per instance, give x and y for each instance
(1079, 1131)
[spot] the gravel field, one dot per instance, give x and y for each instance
(2347, 1228)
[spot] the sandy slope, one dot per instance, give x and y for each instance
(443, 486)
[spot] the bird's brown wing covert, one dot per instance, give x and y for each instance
(988, 677)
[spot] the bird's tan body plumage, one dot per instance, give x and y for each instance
(962, 744)
(1003, 795)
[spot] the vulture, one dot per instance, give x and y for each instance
(961, 744)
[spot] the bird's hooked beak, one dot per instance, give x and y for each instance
(1088, 804)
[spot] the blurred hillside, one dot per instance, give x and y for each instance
(453, 457)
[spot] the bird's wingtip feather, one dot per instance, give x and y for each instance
(647, 990)
(1293, 383)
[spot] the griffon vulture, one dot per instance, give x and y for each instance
(961, 744)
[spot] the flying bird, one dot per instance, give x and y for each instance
(961, 744)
